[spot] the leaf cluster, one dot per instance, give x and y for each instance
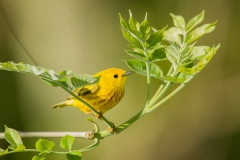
(43, 146)
(175, 44)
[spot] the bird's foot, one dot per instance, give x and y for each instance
(99, 115)
(112, 129)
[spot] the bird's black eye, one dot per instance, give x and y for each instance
(115, 76)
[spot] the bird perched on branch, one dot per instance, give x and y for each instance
(101, 96)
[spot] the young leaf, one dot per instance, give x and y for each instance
(178, 21)
(140, 68)
(131, 38)
(13, 137)
(157, 55)
(134, 26)
(65, 73)
(174, 80)
(82, 80)
(199, 52)
(137, 55)
(66, 142)
(154, 38)
(74, 155)
(2, 151)
(199, 32)
(145, 27)
(195, 21)
(124, 23)
(20, 147)
(43, 145)
(42, 156)
(173, 35)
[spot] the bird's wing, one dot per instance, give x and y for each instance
(84, 91)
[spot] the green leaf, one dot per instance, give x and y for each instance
(38, 70)
(74, 155)
(137, 55)
(172, 55)
(140, 68)
(131, 38)
(134, 26)
(13, 137)
(82, 80)
(173, 35)
(145, 27)
(55, 76)
(178, 21)
(198, 52)
(174, 80)
(41, 156)
(195, 21)
(199, 32)
(124, 23)
(65, 73)
(19, 148)
(67, 142)
(201, 64)
(157, 55)
(43, 145)
(154, 38)
(3, 152)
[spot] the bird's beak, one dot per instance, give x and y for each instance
(127, 73)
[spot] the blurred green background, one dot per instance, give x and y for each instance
(201, 122)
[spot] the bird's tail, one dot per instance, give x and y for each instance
(60, 105)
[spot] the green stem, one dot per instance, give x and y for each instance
(160, 95)
(123, 126)
(166, 98)
(148, 82)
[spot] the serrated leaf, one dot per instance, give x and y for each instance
(74, 155)
(174, 80)
(172, 55)
(82, 80)
(154, 38)
(145, 28)
(178, 21)
(13, 137)
(199, 32)
(198, 52)
(189, 71)
(140, 68)
(131, 38)
(134, 26)
(195, 21)
(44, 145)
(137, 55)
(124, 23)
(173, 35)
(157, 55)
(67, 142)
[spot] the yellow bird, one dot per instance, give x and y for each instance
(102, 96)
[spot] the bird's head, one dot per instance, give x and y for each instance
(113, 77)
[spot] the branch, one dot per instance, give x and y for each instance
(50, 134)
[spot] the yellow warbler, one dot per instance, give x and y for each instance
(102, 96)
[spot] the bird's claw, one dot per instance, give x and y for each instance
(112, 129)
